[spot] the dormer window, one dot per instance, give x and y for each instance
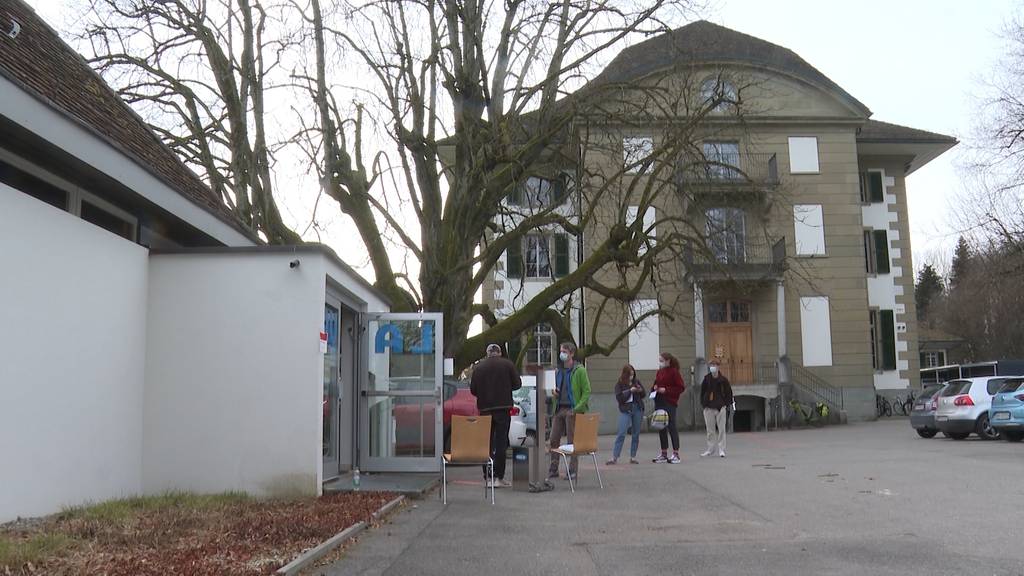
(717, 88)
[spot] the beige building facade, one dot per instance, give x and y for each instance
(788, 206)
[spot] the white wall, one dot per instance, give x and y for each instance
(883, 288)
(72, 344)
(234, 374)
(816, 331)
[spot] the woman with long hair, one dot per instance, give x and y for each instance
(668, 387)
(629, 392)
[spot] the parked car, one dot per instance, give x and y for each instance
(922, 415)
(524, 399)
(964, 404)
(1007, 411)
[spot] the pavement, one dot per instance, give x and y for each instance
(861, 499)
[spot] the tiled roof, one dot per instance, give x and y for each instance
(43, 64)
(875, 131)
(703, 42)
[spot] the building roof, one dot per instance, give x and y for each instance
(703, 42)
(46, 67)
(876, 131)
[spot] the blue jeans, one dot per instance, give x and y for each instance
(634, 417)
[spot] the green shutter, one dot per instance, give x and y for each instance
(515, 196)
(888, 329)
(514, 260)
(881, 252)
(514, 347)
(561, 255)
(560, 189)
(875, 189)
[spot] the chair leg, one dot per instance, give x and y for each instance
(568, 473)
(594, 454)
(444, 482)
(490, 464)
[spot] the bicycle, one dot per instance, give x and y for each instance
(816, 416)
(903, 406)
(882, 406)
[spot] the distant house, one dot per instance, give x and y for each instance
(939, 348)
(802, 184)
(149, 341)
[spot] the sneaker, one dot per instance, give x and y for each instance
(721, 453)
(502, 483)
(660, 459)
(611, 462)
(674, 459)
(634, 461)
(705, 453)
(492, 484)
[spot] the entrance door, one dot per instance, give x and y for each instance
(401, 398)
(730, 340)
(332, 363)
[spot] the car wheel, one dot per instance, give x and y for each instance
(958, 435)
(1013, 436)
(926, 432)
(985, 429)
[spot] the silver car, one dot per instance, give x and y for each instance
(922, 415)
(963, 407)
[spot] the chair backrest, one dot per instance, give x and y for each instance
(471, 438)
(584, 437)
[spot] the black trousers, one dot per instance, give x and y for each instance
(500, 422)
(669, 430)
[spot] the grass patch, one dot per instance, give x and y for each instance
(17, 552)
(125, 508)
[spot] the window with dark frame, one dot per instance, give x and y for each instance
(538, 192)
(872, 189)
(876, 252)
(883, 339)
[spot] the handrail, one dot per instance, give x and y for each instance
(731, 169)
(810, 383)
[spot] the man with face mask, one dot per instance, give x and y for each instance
(572, 396)
(716, 398)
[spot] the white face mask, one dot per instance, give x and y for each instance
(663, 364)
(563, 356)
(714, 370)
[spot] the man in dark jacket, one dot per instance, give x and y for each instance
(716, 398)
(494, 378)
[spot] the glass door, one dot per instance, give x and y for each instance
(402, 419)
(332, 327)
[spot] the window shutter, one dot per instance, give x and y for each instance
(881, 252)
(561, 255)
(869, 252)
(514, 347)
(514, 260)
(515, 195)
(560, 189)
(888, 339)
(875, 190)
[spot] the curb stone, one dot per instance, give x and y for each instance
(313, 554)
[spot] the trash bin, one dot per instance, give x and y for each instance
(521, 468)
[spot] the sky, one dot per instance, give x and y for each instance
(915, 63)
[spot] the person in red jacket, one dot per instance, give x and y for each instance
(668, 387)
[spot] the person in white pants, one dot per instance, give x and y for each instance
(716, 399)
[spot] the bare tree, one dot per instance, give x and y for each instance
(423, 118)
(200, 72)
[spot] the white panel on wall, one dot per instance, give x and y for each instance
(803, 155)
(645, 340)
(816, 331)
(648, 224)
(810, 229)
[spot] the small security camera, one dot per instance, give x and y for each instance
(293, 264)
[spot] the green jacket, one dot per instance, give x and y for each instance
(580, 390)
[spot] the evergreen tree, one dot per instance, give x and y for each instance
(928, 289)
(960, 268)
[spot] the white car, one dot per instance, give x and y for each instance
(963, 406)
(517, 435)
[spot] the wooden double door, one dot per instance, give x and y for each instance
(730, 339)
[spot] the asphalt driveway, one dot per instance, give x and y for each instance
(861, 499)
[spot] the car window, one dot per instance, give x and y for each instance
(929, 393)
(449, 391)
(954, 387)
(1012, 385)
(994, 384)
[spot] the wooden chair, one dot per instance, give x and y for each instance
(584, 442)
(471, 446)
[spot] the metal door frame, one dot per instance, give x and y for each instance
(398, 463)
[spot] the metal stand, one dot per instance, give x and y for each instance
(538, 477)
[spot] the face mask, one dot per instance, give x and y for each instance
(563, 356)
(714, 370)
(663, 364)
